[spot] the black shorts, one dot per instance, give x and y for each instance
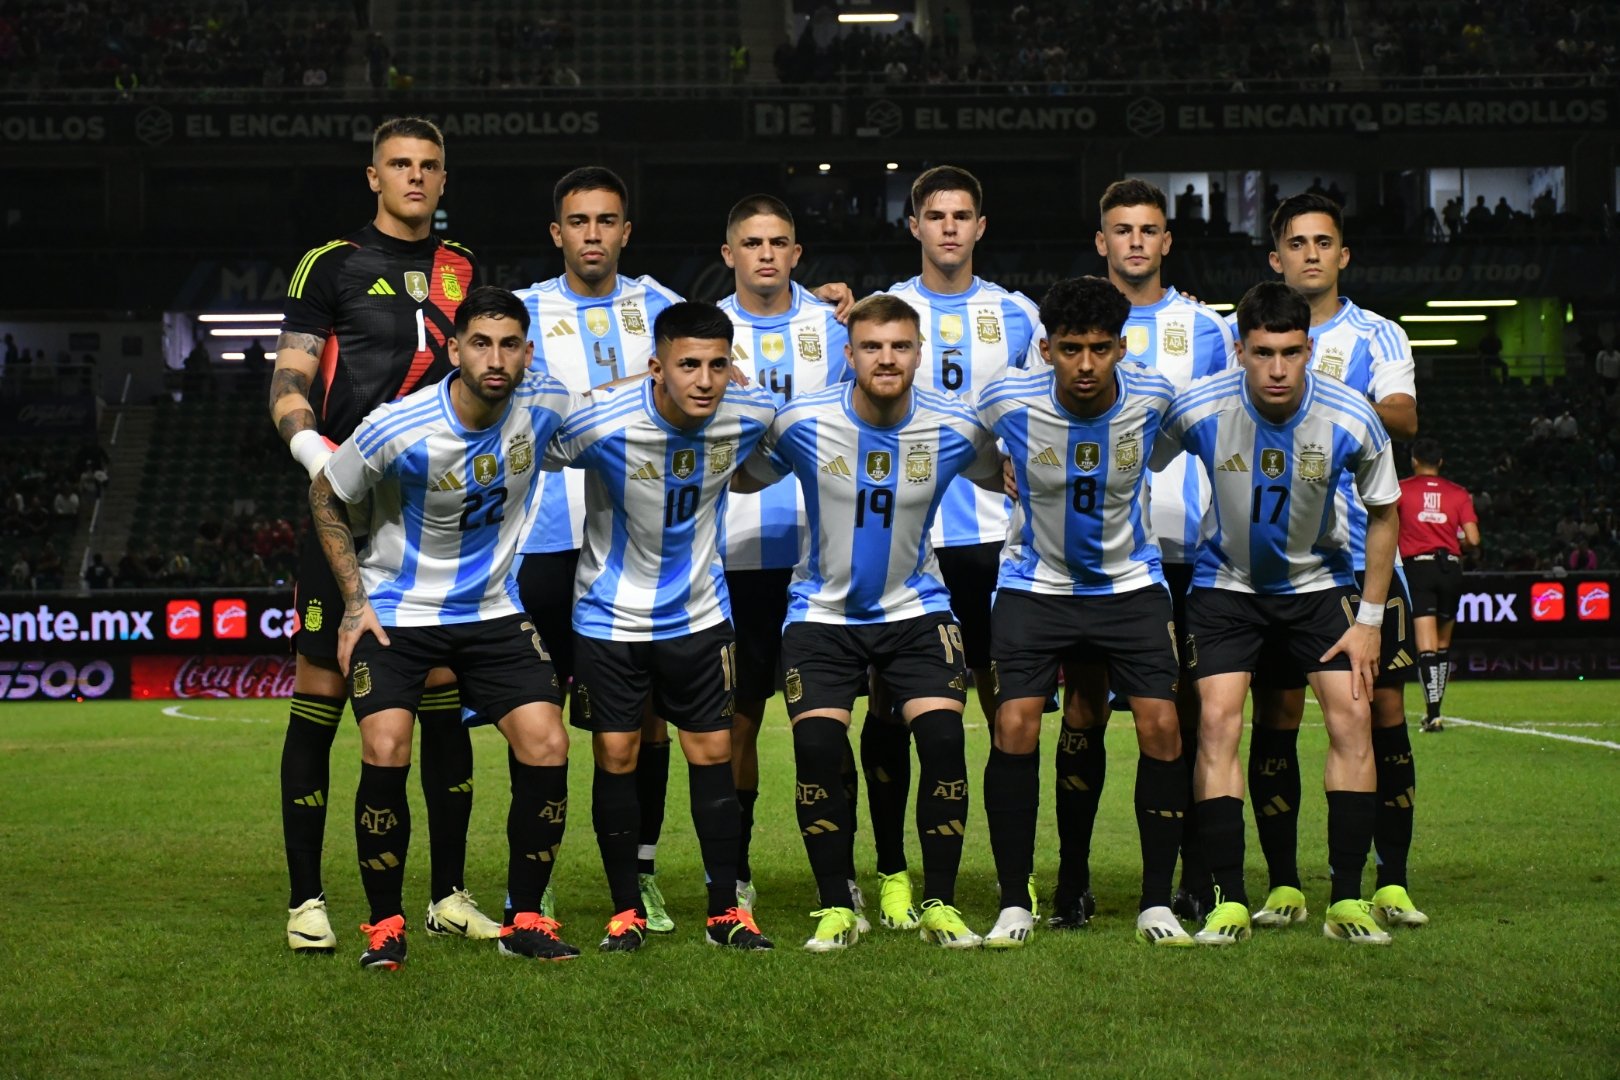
(970, 573)
(318, 601)
(1437, 586)
(690, 679)
(1035, 634)
(499, 663)
(1229, 631)
(759, 602)
(1397, 656)
(1178, 579)
(916, 658)
(545, 582)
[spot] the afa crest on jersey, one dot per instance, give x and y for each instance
(919, 465)
(1331, 363)
(683, 464)
(721, 455)
(878, 465)
(987, 328)
(810, 346)
(950, 329)
(416, 285)
(1175, 341)
(597, 321)
(1087, 456)
(450, 284)
(1313, 464)
(1128, 451)
(520, 455)
(1272, 463)
(772, 347)
(631, 318)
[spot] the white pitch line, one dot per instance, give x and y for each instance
(178, 713)
(1583, 740)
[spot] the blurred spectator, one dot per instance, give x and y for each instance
(1607, 368)
(21, 578)
(66, 505)
(1452, 215)
(130, 575)
(1565, 428)
(98, 575)
(1479, 218)
(48, 568)
(1582, 557)
(1541, 428)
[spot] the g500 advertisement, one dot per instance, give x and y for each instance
(237, 644)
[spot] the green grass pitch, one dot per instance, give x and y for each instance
(144, 937)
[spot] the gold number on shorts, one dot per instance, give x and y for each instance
(728, 665)
(950, 636)
(1398, 603)
(534, 636)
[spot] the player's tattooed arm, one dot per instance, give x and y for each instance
(296, 365)
(331, 518)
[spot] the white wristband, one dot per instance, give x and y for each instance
(1370, 614)
(310, 449)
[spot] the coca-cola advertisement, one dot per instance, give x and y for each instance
(211, 677)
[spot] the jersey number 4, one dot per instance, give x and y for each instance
(483, 508)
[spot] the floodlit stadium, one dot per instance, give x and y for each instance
(392, 388)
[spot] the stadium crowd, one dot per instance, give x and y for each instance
(115, 45)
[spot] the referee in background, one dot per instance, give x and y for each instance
(1437, 520)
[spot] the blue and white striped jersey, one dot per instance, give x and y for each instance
(871, 494)
(792, 354)
(1372, 356)
(1080, 525)
(447, 503)
(1276, 526)
(969, 340)
(650, 568)
(584, 341)
(1184, 341)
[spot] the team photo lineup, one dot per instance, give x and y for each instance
(591, 503)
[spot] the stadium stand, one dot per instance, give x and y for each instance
(126, 48)
(217, 516)
(1539, 458)
(516, 43)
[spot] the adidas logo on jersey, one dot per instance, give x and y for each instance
(381, 288)
(1047, 456)
(648, 471)
(562, 328)
(836, 467)
(448, 482)
(1235, 463)
(738, 353)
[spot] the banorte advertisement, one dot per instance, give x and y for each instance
(238, 643)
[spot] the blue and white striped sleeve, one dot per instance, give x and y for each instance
(1393, 371)
(363, 460)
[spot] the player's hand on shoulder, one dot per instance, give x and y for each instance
(839, 295)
